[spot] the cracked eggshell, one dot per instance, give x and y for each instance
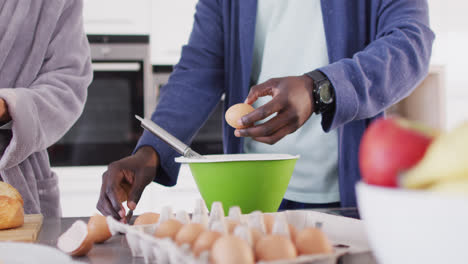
(75, 241)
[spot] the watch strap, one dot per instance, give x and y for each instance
(318, 77)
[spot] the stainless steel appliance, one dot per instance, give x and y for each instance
(121, 89)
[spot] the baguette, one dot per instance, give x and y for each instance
(11, 207)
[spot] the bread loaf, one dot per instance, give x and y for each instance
(11, 207)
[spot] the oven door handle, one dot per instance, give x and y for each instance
(116, 66)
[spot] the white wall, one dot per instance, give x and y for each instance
(171, 26)
(450, 23)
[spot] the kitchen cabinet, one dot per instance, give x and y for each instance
(426, 103)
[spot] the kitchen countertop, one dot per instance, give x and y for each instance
(116, 249)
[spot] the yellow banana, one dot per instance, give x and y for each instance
(445, 160)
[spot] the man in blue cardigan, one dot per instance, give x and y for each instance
(345, 61)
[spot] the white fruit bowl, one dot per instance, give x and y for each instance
(407, 226)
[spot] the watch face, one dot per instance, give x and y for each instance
(325, 93)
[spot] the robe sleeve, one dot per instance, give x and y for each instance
(43, 112)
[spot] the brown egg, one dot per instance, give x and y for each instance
(230, 249)
(168, 229)
(235, 112)
(205, 242)
(76, 241)
(275, 247)
(231, 225)
(98, 229)
(269, 220)
(256, 235)
(312, 240)
(189, 233)
(292, 232)
(147, 218)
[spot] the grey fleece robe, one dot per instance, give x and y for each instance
(45, 69)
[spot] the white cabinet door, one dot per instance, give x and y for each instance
(117, 17)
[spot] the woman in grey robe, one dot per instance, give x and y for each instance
(45, 69)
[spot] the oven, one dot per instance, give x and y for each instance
(121, 88)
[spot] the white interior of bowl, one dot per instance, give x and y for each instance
(237, 157)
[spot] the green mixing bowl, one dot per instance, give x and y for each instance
(250, 181)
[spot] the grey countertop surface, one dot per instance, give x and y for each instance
(116, 249)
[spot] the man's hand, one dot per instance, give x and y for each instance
(126, 179)
(4, 114)
(292, 101)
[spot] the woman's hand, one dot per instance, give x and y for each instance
(4, 114)
(292, 101)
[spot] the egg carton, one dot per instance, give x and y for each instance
(166, 251)
(345, 234)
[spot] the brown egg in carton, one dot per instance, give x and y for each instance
(286, 237)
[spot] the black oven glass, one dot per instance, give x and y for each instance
(107, 129)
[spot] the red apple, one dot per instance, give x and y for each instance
(390, 146)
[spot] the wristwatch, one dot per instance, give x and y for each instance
(323, 92)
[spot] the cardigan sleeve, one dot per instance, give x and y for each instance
(388, 69)
(193, 90)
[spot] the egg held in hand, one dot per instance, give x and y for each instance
(236, 112)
